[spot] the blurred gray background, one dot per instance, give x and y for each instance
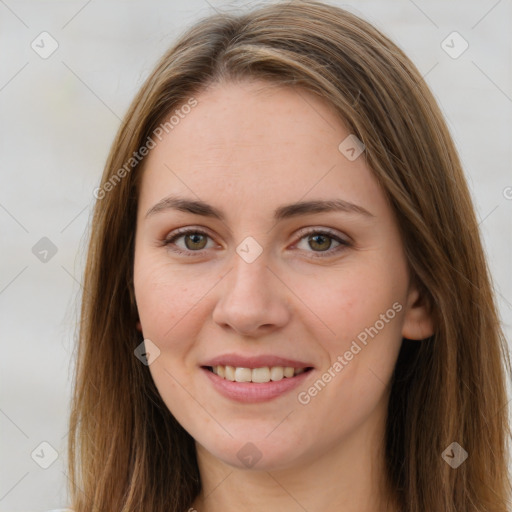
(60, 108)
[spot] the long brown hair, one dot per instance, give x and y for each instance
(126, 451)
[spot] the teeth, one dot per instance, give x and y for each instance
(243, 375)
(229, 373)
(261, 375)
(276, 373)
(288, 372)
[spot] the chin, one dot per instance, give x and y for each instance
(263, 455)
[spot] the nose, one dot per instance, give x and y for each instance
(252, 300)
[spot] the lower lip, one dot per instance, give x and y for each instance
(251, 392)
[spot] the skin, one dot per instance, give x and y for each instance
(248, 148)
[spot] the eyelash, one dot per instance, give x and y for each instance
(316, 254)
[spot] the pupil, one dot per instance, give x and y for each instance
(326, 239)
(195, 239)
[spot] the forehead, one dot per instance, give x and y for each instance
(256, 143)
(243, 118)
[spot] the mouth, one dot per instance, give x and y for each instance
(260, 375)
(255, 378)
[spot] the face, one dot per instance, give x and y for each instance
(265, 253)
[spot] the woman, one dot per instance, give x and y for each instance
(287, 305)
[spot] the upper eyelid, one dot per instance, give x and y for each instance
(302, 231)
(328, 231)
(179, 232)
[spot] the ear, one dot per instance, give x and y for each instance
(418, 323)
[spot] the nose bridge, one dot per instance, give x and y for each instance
(250, 296)
(249, 280)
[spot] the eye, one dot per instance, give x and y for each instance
(189, 241)
(194, 240)
(321, 241)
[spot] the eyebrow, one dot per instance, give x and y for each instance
(198, 207)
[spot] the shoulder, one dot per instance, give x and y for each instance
(61, 510)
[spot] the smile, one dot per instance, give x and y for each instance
(258, 375)
(255, 378)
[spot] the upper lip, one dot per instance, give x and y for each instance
(240, 361)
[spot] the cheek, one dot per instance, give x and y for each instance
(167, 305)
(363, 307)
(347, 301)
(167, 298)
